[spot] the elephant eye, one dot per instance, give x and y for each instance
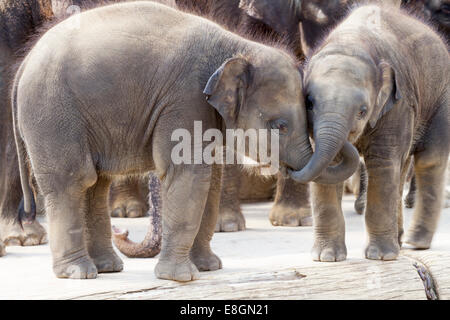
(362, 112)
(280, 125)
(309, 103)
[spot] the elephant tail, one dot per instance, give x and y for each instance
(151, 245)
(27, 207)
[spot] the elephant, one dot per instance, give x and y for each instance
(435, 11)
(364, 86)
(19, 20)
(88, 107)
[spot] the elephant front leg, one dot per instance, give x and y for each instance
(184, 193)
(292, 206)
(329, 224)
(201, 253)
(98, 229)
(383, 198)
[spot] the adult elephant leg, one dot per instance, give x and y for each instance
(328, 222)
(201, 253)
(292, 206)
(430, 163)
(127, 197)
(230, 216)
(98, 229)
(382, 216)
(11, 232)
(185, 191)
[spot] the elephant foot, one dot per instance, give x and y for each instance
(2, 249)
(383, 249)
(230, 221)
(206, 260)
(129, 209)
(82, 268)
(177, 271)
(287, 216)
(32, 234)
(329, 251)
(109, 262)
(419, 237)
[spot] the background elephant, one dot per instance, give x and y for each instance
(21, 23)
(19, 20)
(88, 154)
(365, 88)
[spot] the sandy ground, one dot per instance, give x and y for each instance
(26, 273)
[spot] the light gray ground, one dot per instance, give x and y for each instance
(26, 273)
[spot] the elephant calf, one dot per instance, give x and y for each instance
(104, 98)
(380, 80)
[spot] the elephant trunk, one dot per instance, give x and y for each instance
(330, 139)
(151, 245)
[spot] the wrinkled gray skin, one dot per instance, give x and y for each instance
(364, 86)
(18, 21)
(436, 11)
(69, 100)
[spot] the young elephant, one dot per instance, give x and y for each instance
(390, 98)
(89, 106)
(18, 21)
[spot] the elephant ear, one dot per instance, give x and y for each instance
(281, 15)
(226, 89)
(389, 93)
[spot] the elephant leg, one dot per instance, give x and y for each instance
(383, 196)
(127, 197)
(411, 196)
(66, 208)
(201, 253)
(230, 216)
(404, 174)
(329, 224)
(292, 206)
(11, 233)
(361, 199)
(430, 162)
(184, 194)
(2, 249)
(98, 229)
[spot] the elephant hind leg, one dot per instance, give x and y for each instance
(66, 212)
(201, 253)
(98, 229)
(430, 163)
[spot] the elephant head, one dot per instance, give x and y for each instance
(344, 93)
(266, 93)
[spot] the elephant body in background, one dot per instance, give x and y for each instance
(365, 87)
(161, 77)
(19, 20)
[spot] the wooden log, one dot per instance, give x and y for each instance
(352, 279)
